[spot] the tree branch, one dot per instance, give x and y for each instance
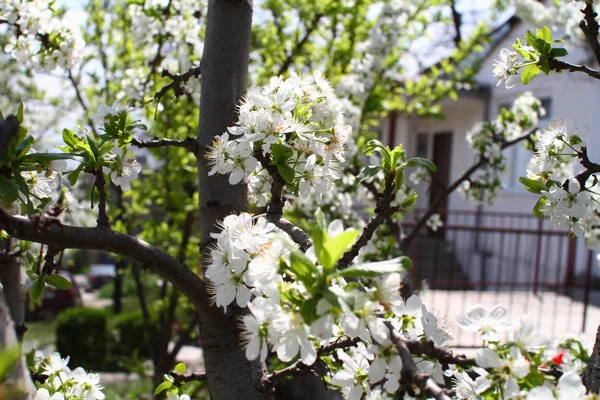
(407, 240)
(558, 65)
(589, 27)
(383, 210)
(180, 378)
(298, 367)
(410, 371)
(457, 20)
(190, 144)
(67, 236)
(275, 206)
(100, 184)
(178, 82)
(298, 47)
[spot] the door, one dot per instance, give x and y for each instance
(442, 152)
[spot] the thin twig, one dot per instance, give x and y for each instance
(82, 102)
(298, 47)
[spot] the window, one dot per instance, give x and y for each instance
(422, 145)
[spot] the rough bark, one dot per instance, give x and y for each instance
(591, 375)
(13, 288)
(18, 386)
(224, 71)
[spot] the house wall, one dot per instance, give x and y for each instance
(573, 96)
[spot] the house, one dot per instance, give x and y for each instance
(499, 245)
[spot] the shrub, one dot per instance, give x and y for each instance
(81, 334)
(131, 336)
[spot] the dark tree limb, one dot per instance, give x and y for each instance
(180, 378)
(589, 27)
(299, 367)
(457, 20)
(558, 65)
(275, 206)
(383, 210)
(13, 289)
(67, 236)
(407, 240)
(100, 184)
(189, 144)
(410, 371)
(178, 82)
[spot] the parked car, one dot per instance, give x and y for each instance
(101, 274)
(54, 300)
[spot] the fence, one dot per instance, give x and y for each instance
(516, 260)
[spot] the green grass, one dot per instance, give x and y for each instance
(41, 332)
(129, 389)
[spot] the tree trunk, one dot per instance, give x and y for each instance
(11, 279)
(12, 323)
(223, 82)
(591, 375)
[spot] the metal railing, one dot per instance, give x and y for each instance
(513, 259)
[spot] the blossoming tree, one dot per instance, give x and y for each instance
(319, 294)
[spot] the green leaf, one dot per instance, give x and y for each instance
(74, 175)
(162, 387)
(320, 219)
(529, 73)
(180, 368)
(8, 360)
(9, 190)
(59, 282)
(334, 248)
(372, 270)
(367, 173)
(399, 179)
(537, 209)
(286, 172)
(545, 34)
(24, 146)
(46, 157)
(303, 268)
(20, 113)
(375, 145)
(558, 52)
(533, 185)
(308, 310)
(37, 290)
(422, 162)
(281, 153)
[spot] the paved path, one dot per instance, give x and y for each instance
(554, 314)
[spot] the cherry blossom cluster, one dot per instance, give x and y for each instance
(38, 39)
(62, 383)
(556, 148)
(294, 124)
(520, 367)
(487, 139)
(563, 16)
